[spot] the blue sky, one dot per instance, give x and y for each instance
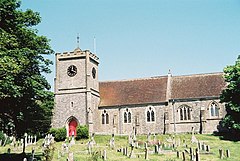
(144, 38)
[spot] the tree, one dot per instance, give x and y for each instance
(231, 96)
(25, 99)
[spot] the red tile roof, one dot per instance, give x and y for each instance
(154, 90)
(139, 91)
(197, 86)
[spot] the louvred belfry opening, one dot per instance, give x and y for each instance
(72, 128)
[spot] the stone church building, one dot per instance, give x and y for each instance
(164, 104)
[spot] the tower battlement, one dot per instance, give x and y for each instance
(77, 53)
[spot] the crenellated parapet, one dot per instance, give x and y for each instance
(77, 53)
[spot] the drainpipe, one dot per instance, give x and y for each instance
(174, 116)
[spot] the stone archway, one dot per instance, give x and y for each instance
(72, 126)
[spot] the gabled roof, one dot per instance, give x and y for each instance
(129, 92)
(197, 86)
(154, 90)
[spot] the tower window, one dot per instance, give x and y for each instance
(94, 73)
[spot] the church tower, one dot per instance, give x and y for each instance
(76, 90)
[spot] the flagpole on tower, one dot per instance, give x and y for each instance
(78, 41)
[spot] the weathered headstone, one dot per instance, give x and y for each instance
(228, 153)
(191, 154)
(89, 147)
(221, 153)
(203, 147)
(146, 154)
(148, 137)
(156, 149)
(178, 154)
(183, 155)
(92, 139)
(35, 140)
(199, 145)
(194, 139)
(132, 154)
(72, 142)
(146, 151)
(197, 155)
(25, 139)
(28, 141)
(8, 150)
(104, 155)
(33, 153)
(124, 151)
(112, 142)
(70, 157)
(208, 148)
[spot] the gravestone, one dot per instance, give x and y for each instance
(8, 150)
(92, 139)
(148, 137)
(25, 139)
(35, 140)
(112, 142)
(221, 153)
(178, 156)
(228, 153)
(197, 155)
(89, 147)
(208, 148)
(183, 156)
(104, 155)
(146, 151)
(194, 139)
(132, 154)
(70, 157)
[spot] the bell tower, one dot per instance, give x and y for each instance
(76, 90)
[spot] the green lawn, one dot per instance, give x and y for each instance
(102, 143)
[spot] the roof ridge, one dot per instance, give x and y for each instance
(134, 79)
(200, 74)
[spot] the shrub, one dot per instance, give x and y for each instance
(59, 133)
(82, 132)
(2, 137)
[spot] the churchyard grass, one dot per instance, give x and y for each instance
(80, 149)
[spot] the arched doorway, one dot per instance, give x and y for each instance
(72, 127)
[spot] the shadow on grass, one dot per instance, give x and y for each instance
(231, 136)
(18, 157)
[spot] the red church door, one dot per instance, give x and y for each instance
(72, 128)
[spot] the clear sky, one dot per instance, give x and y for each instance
(144, 38)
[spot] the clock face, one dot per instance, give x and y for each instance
(72, 70)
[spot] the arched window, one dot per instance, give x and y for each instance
(214, 109)
(127, 116)
(105, 117)
(185, 112)
(150, 114)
